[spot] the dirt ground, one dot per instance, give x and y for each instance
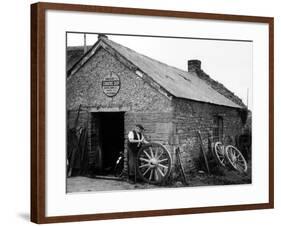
(220, 177)
(86, 184)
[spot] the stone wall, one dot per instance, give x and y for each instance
(173, 123)
(84, 87)
(142, 103)
(190, 117)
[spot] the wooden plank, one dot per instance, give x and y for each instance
(203, 151)
(181, 165)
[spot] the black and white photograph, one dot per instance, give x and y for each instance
(157, 112)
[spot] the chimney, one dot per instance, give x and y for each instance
(194, 65)
(100, 36)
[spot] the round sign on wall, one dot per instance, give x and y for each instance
(110, 84)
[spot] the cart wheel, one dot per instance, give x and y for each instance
(153, 163)
(220, 153)
(236, 159)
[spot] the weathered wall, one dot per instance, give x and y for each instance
(143, 103)
(85, 88)
(190, 117)
(172, 123)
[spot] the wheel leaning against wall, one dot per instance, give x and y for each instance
(154, 163)
(219, 153)
(236, 159)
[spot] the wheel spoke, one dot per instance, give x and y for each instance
(239, 167)
(144, 165)
(166, 167)
(241, 160)
(220, 151)
(151, 174)
(232, 157)
(159, 156)
(242, 164)
(160, 171)
(145, 172)
(145, 160)
(235, 154)
(162, 152)
(156, 175)
(151, 152)
(148, 156)
(162, 160)
(230, 154)
(155, 152)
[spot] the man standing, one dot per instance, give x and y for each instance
(136, 139)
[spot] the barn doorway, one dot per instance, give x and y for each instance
(109, 139)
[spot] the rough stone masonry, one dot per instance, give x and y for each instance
(168, 119)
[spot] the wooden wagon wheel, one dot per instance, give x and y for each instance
(220, 153)
(236, 159)
(154, 163)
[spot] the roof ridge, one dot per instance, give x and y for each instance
(178, 82)
(217, 86)
(221, 88)
(155, 60)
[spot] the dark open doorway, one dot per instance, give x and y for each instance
(110, 139)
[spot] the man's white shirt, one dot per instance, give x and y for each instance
(131, 136)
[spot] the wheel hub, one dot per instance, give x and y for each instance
(153, 162)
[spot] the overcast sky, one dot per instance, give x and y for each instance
(229, 62)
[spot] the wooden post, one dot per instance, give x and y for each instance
(203, 151)
(181, 165)
(77, 117)
(85, 43)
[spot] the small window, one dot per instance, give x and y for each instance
(218, 128)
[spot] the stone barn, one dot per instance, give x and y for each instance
(115, 88)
